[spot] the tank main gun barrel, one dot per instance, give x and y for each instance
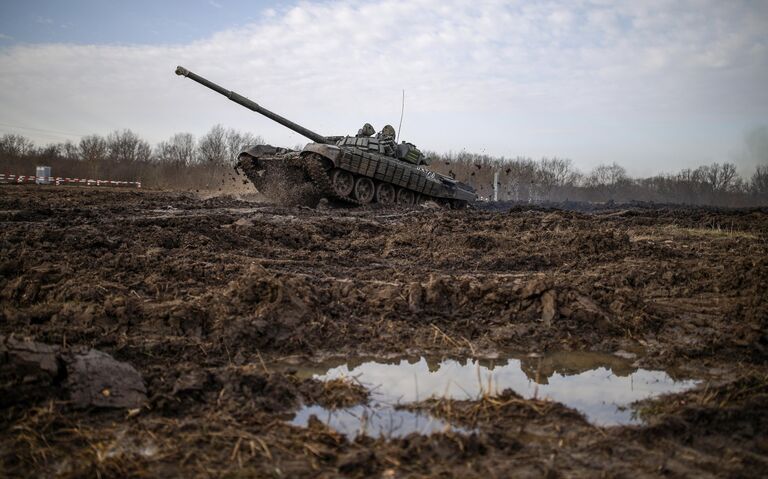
(252, 105)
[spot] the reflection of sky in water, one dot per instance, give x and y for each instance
(374, 420)
(602, 396)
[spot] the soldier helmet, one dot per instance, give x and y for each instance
(388, 131)
(366, 130)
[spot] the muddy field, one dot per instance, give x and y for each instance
(219, 304)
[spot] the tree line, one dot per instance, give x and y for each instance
(557, 179)
(185, 162)
(181, 161)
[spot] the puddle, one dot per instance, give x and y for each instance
(601, 386)
(375, 420)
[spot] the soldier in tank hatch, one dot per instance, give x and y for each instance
(366, 131)
(386, 139)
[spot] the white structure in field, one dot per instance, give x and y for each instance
(43, 175)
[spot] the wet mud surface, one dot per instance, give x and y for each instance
(219, 304)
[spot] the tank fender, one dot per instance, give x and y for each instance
(332, 152)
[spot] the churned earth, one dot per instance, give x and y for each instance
(219, 302)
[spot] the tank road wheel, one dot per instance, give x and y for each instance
(342, 182)
(364, 190)
(385, 194)
(406, 197)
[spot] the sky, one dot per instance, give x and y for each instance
(654, 85)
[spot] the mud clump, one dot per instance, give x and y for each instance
(191, 303)
(96, 379)
(33, 371)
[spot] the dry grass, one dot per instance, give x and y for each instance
(678, 233)
(718, 232)
(718, 395)
(51, 442)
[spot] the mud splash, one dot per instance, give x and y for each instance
(602, 387)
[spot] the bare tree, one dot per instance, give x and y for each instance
(519, 180)
(48, 152)
(237, 142)
(212, 148)
(126, 147)
(93, 151)
(717, 178)
(178, 151)
(69, 150)
(759, 182)
(607, 175)
(559, 171)
(15, 146)
(553, 175)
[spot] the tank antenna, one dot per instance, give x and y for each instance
(402, 109)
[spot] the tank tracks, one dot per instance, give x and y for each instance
(326, 180)
(334, 183)
(320, 175)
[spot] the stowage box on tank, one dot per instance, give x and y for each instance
(359, 169)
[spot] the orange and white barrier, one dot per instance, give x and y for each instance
(58, 180)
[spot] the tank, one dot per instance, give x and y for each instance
(359, 169)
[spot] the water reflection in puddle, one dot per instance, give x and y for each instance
(600, 386)
(376, 420)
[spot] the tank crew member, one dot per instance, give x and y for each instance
(387, 140)
(366, 131)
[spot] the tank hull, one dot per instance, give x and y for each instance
(331, 169)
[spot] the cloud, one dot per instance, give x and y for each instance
(3, 36)
(214, 4)
(530, 78)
